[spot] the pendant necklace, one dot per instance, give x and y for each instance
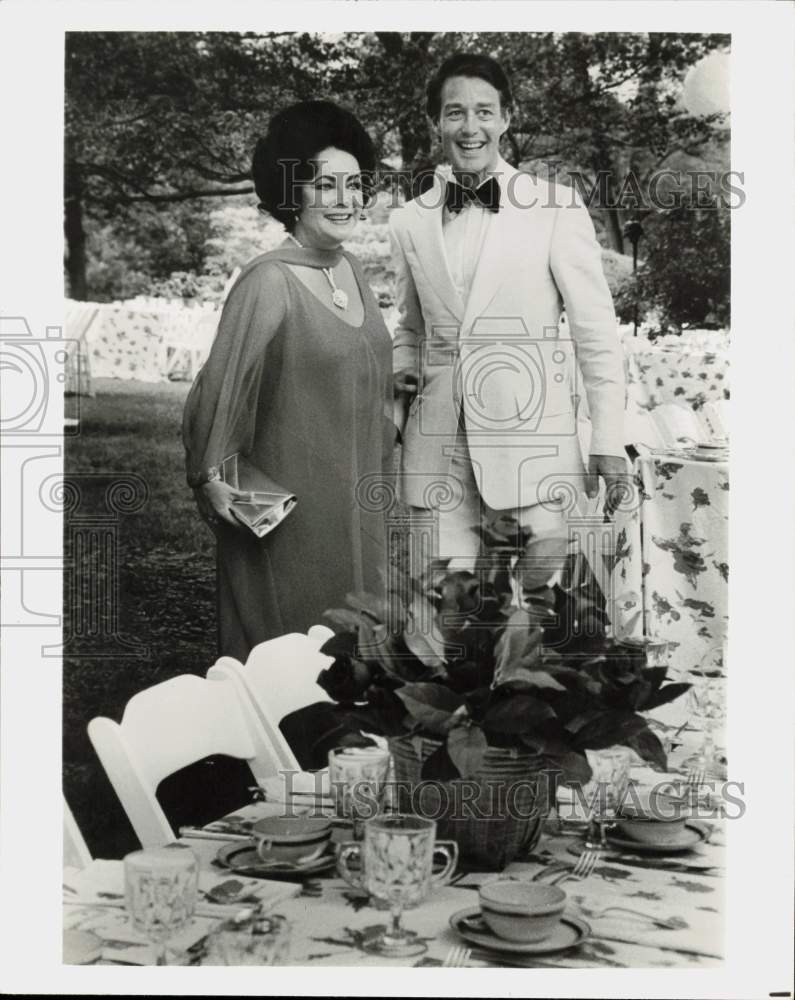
(338, 296)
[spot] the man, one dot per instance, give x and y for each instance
(485, 260)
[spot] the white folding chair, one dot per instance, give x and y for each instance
(166, 727)
(75, 850)
(279, 677)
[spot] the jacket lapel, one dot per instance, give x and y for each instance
(426, 235)
(500, 244)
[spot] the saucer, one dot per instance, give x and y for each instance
(468, 922)
(694, 833)
(244, 860)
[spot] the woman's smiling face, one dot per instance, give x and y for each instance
(332, 202)
(471, 123)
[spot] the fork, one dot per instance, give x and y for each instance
(586, 863)
(695, 778)
(669, 925)
(457, 957)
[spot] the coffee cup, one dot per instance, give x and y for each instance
(521, 911)
(660, 820)
(291, 839)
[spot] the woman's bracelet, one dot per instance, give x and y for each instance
(211, 475)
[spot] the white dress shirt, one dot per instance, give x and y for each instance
(464, 232)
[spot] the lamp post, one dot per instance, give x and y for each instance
(633, 231)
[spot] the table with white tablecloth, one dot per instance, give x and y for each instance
(148, 342)
(668, 372)
(622, 904)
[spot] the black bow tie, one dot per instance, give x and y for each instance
(487, 195)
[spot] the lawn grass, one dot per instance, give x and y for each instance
(165, 561)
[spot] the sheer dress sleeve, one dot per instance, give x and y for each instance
(220, 410)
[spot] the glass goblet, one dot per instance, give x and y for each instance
(707, 704)
(161, 886)
(611, 777)
(397, 859)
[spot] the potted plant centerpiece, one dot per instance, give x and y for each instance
(490, 687)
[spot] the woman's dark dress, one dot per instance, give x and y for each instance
(308, 398)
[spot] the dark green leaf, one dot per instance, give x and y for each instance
(574, 767)
(439, 767)
(517, 714)
(340, 644)
(422, 635)
(608, 729)
(518, 647)
(665, 694)
(655, 676)
(582, 719)
(431, 705)
(467, 746)
(648, 746)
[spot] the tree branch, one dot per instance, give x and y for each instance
(188, 195)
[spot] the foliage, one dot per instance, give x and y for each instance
(139, 252)
(685, 275)
(452, 657)
(161, 118)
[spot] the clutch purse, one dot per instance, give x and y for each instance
(270, 503)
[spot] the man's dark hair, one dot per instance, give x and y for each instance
(283, 158)
(467, 64)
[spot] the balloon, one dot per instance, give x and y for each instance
(706, 86)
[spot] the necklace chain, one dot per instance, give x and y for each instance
(338, 296)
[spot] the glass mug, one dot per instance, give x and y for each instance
(396, 858)
(358, 779)
(161, 885)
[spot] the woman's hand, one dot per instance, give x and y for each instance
(216, 498)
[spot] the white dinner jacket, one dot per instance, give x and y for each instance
(501, 357)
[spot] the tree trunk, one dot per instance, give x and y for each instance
(615, 229)
(74, 233)
(604, 165)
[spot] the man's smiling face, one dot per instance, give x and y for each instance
(471, 122)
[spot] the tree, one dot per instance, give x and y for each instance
(686, 274)
(163, 118)
(604, 106)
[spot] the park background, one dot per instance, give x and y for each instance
(159, 207)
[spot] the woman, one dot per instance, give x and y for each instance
(299, 382)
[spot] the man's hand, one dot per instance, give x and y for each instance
(405, 381)
(613, 469)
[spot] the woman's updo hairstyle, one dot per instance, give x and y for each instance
(283, 158)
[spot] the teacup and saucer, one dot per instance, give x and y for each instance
(520, 916)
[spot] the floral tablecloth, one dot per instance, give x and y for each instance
(685, 552)
(675, 373)
(331, 921)
(132, 342)
(671, 561)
